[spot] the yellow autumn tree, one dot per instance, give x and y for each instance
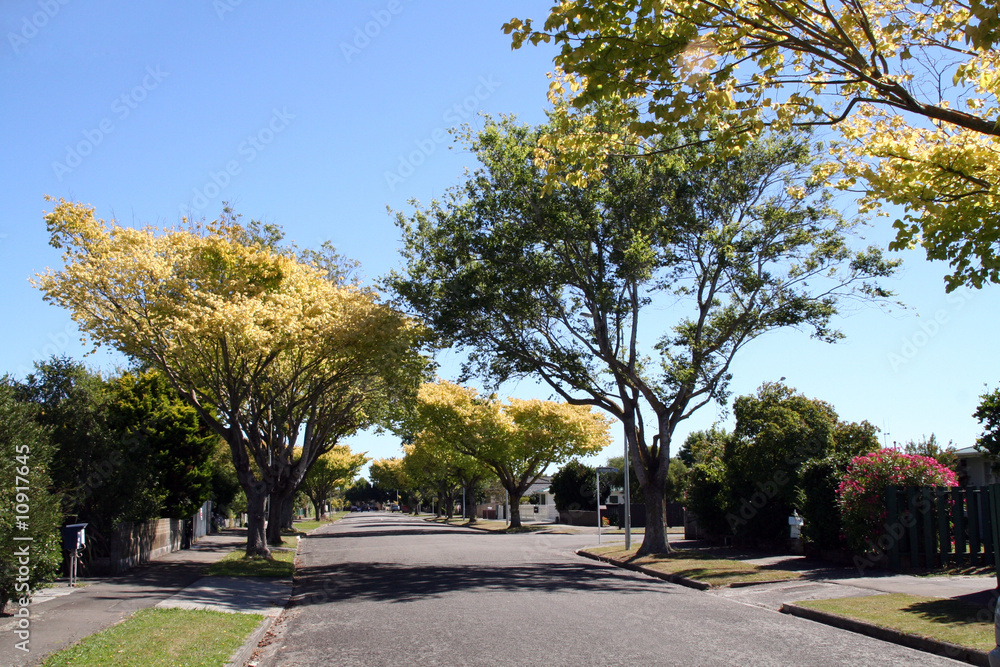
(911, 85)
(266, 346)
(334, 468)
(517, 441)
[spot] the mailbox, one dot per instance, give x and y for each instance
(74, 536)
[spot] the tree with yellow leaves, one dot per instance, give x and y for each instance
(516, 441)
(334, 468)
(911, 85)
(263, 344)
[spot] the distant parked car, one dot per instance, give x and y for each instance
(355, 508)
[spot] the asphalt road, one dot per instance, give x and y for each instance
(381, 589)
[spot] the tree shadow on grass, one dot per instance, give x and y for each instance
(963, 610)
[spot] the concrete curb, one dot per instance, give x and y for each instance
(245, 652)
(953, 651)
(672, 578)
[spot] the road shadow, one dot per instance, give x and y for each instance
(389, 582)
(362, 532)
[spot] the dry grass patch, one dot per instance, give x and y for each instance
(698, 565)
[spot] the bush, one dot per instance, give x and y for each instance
(573, 487)
(861, 495)
(707, 494)
(819, 480)
(25, 456)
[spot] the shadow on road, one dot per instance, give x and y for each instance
(395, 532)
(386, 582)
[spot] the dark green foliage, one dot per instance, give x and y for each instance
(617, 480)
(25, 457)
(164, 444)
(573, 487)
(819, 479)
(777, 430)
(126, 449)
(988, 416)
(708, 496)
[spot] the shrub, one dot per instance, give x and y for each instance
(819, 480)
(573, 487)
(707, 494)
(25, 455)
(861, 494)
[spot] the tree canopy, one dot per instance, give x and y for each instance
(516, 440)
(264, 344)
(912, 87)
(562, 285)
(337, 467)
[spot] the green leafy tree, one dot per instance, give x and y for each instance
(163, 441)
(573, 487)
(912, 87)
(988, 415)
(558, 285)
(777, 431)
(25, 458)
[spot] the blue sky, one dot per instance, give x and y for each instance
(318, 116)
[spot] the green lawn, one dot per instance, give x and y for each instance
(487, 524)
(162, 638)
(311, 524)
(698, 565)
(946, 620)
(235, 564)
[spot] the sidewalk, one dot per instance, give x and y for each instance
(62, 615)
(824, 581)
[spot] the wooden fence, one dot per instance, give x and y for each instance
(929, 527)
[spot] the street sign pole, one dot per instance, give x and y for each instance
(604, 469)
(628, 501)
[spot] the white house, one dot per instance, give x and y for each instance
(975, 468)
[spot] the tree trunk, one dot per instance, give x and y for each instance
(515, 514)
(470, 501)
(281, 500)
(256, 540)
(654, 540)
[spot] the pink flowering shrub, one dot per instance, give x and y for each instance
(861, 495)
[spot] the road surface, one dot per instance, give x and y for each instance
(385, 589)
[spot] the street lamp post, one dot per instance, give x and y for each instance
(604, 469)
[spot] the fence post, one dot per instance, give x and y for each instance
(892, 518)
(972, 502)
(958, 518)
(944, 536)
(912, 526)
(927, 509)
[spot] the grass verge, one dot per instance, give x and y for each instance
(698, 565)
(235, 564)
(946, 620)
(311, 524)
(488, 524)
(162, 638)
